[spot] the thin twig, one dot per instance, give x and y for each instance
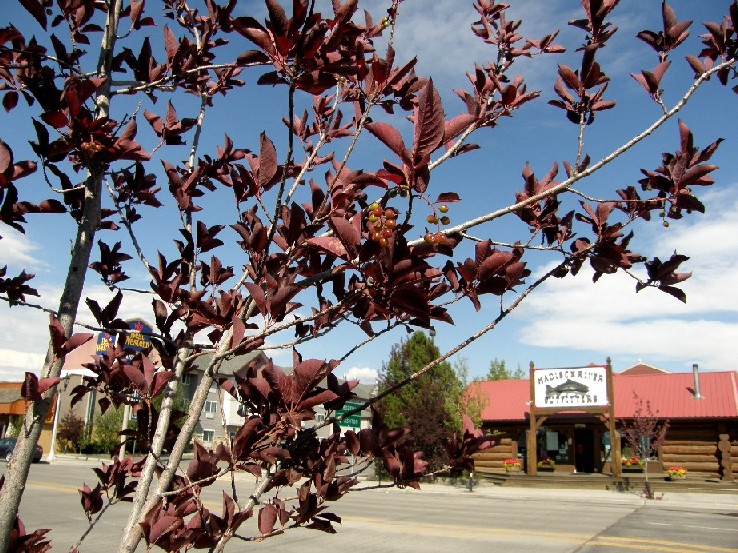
(592, 168)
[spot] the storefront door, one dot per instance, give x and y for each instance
(584, 459)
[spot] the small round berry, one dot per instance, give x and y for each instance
(666, 224)
(387, 233)
(445, 220)
(428, 237)
(374, 206)
(373, 218)
(383, 242)
(432, 219)
(443, 208)
(390, 214)
(390, 223)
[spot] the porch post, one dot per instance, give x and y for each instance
(531, 444)
(615, 462)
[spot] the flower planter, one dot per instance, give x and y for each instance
(546, 468)
(632, 470)
(677, 478)
(512, 469)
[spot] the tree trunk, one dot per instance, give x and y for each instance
(142, 502)
(16, 473)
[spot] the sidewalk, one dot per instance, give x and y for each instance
(672, 499)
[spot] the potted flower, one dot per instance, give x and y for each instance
(546, 464)
(511, 465)
(676, 472)
(632, 464)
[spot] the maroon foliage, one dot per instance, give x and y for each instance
(461, 448)
(324, 242)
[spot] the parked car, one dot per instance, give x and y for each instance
(8, 444)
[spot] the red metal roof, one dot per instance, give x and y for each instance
(671, 396)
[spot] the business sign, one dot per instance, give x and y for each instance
(105, 341)
(353, 421)
(138, 338)
(582, 387)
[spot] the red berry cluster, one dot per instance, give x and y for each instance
(437, 237)
(382, 224)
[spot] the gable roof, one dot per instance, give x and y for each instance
(643, 368)
(670, 394)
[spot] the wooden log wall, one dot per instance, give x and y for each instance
(492, 458)
(694, 448)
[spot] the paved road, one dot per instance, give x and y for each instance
(439, 519)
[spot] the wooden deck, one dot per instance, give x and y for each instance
(628, 482)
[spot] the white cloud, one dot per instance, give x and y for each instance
(439, 34)
(15, 363)
(364, 374)
(17, 250)
(610, 317)
(24, 332)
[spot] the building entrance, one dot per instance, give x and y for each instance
(584, 450)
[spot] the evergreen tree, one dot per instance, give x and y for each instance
(427, 406)
(498, 371)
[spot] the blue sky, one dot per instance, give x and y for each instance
(570, 321)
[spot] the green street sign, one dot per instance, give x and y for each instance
(354, 421)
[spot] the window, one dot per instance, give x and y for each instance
(208, 435)
(189, 378)
(210, 408)
(320, 417)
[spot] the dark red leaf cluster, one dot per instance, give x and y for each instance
(492, 271)
(674, 180)
(720, 43)
(116, 481)
(13, 211)
(461, 448)
(60, 344)
(308, 51)
(15, 288)
(663, 42)
(609, 252)
(542, 216)
(184, 522)
(663, 275)
(109, 266)
(581, 92)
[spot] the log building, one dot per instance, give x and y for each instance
(574, 417)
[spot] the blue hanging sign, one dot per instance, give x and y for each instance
(139, 337)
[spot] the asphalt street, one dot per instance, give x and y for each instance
(439, 518)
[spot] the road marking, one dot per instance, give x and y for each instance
(657, 545)
(56, 487)
(464, 531)
(711, 528)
